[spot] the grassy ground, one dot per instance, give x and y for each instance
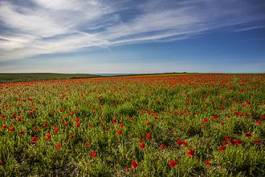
(168, 125)
(18, 77)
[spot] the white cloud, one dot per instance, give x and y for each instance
(58, 26)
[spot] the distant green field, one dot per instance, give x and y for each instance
(23, 77)
(19, 77)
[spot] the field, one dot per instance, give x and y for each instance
(153, 125)
(20, 77)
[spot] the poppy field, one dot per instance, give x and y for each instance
(153, 125)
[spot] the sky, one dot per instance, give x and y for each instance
(132, 36)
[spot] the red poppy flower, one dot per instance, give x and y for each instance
(236, 142)
(142, 145)
(93, 154)
(221, 148)
(248, 134)
(214, 117)
(172, 163)
(58, 146)
(148, 136)
(134, 164)
(55, 130)
(11, 129)
(205, 120)
(258, 123)
(227, 139)
(182, 142)
(48, 136)
(119, 132)
(262, 116)
(114, 121)
(34, 139)
(65, 123)
(238, 113)
(121, 125)
(4, 126)
(77, 119)
(77, 124)
(257, 142)
(208, 163)
(162, 146)
(190, 153)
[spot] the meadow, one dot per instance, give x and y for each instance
(153, 125)
(22, 77)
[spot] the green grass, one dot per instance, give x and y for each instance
(19, 77)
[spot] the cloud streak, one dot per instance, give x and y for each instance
(61, 26)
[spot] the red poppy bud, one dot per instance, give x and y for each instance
(58, 146)
(190, 153)
(148, 136)
(172, 163)
(134, 164)
(142, 145)
(93, 154)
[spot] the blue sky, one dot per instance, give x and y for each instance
(129, 36)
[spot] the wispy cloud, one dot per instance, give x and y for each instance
(48, 26)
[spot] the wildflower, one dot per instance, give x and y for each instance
(257, 142)
(148, 136)
(262, 116)
(119, 132)
(214, 117)
(93, 154)
(190, 153)
(248, 134)
(236, 142)
(77, 119)
(4, 126)
(238, 113)
(182, 142)
(65, 123)
(55, 130)
(258, 122)
(11, 129)
(58, 146)
(34, 139)
(162, 146)
(205, 120)
(222, 148)
(142, 145)
(134, 164)
(114, 121)
(172, 163)
(77, 124)
(208, 163)
(227, 139)
(48, 136)
(121, 125)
